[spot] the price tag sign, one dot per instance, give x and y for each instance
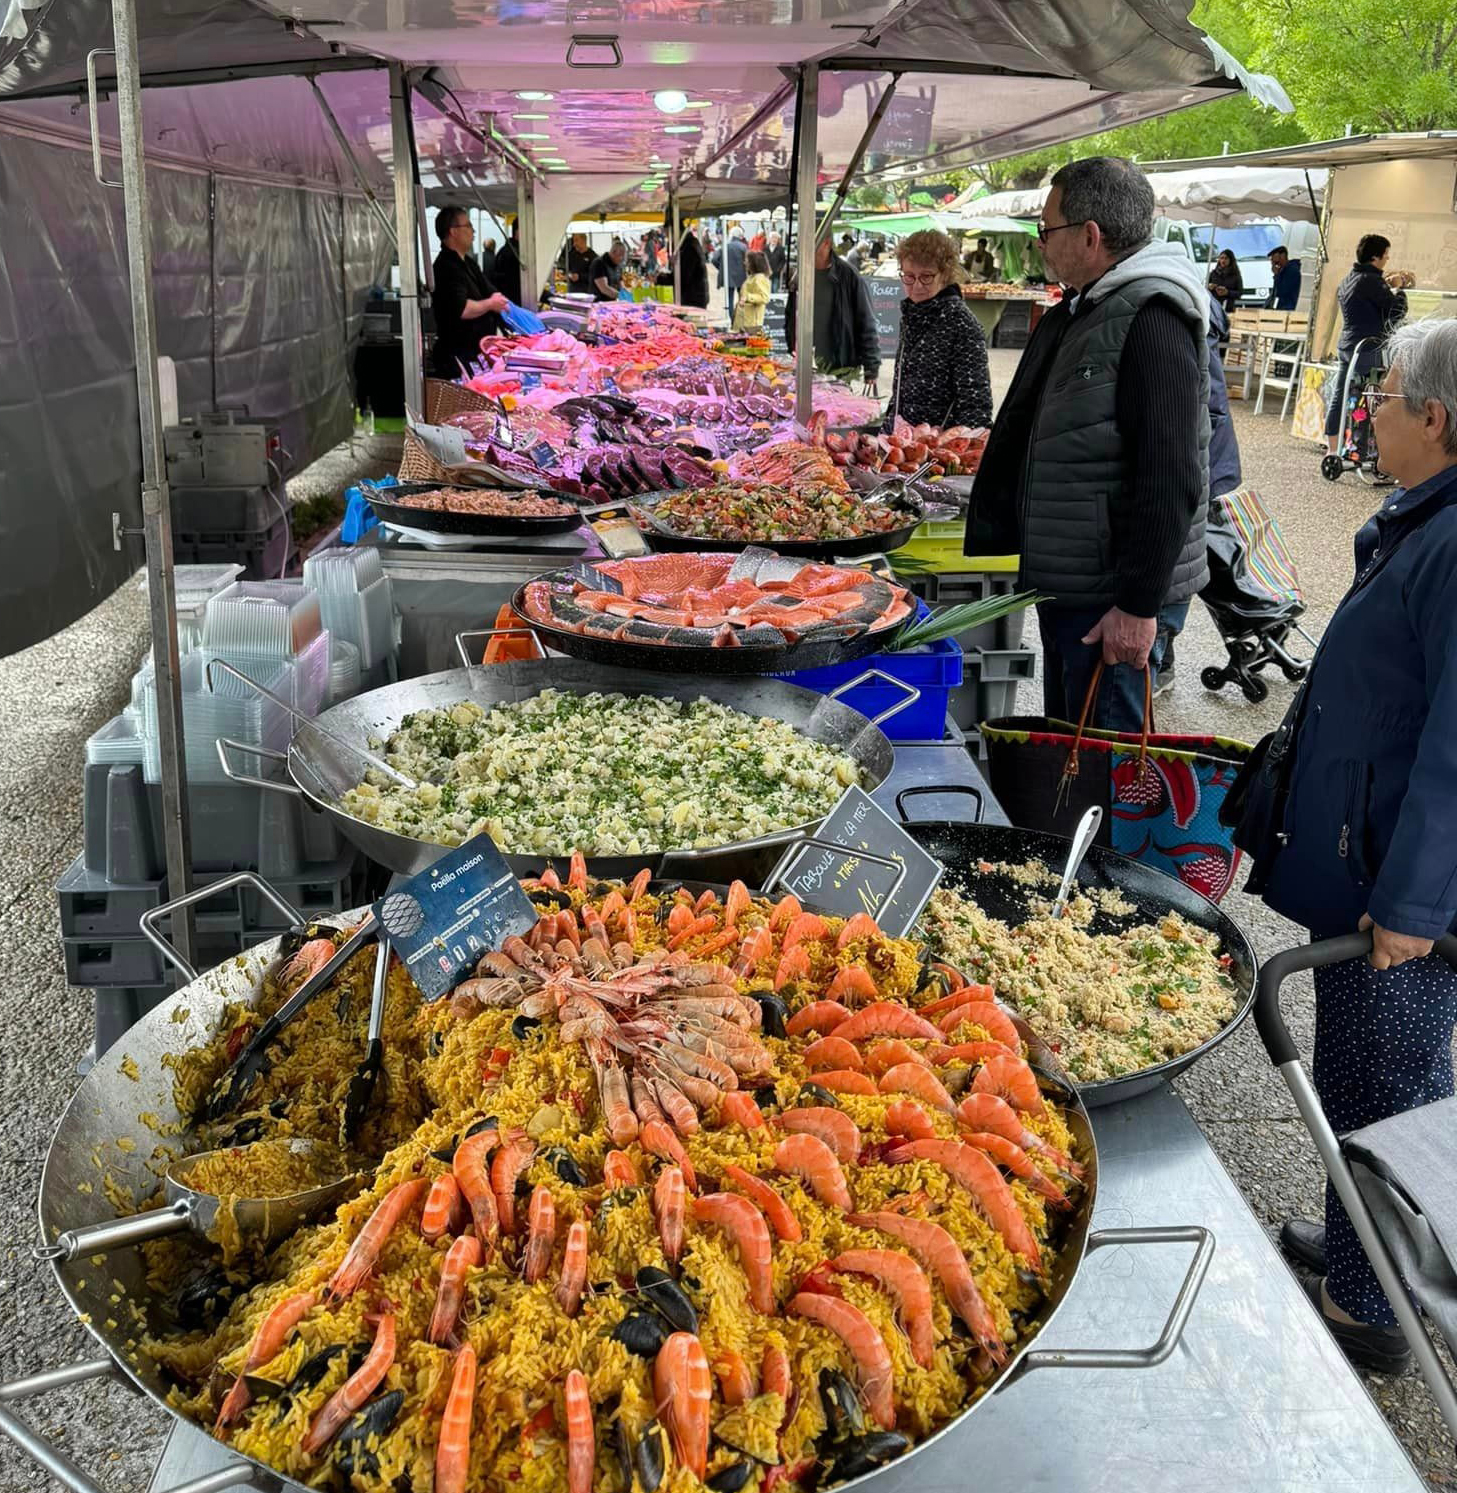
(445, 443)
(844, 883)
(441, 921)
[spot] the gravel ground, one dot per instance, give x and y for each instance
(62, 690)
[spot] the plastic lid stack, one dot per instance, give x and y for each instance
(355, 600)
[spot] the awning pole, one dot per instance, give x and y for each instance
(156, 497)
(806, 168)
(1315, 212)
(406, 240)
(360, 178)
(526, 239)
(677, 243)
(843, 190)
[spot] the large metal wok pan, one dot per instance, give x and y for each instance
(322, 770)
(103, 1115)
(961, 846)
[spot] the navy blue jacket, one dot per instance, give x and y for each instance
(1372, 815)
(1369, 307)
(1284, 288)
(1224, 469)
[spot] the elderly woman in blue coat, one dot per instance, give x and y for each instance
(1370, 830)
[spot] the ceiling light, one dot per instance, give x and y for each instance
(562, 167)
(699, 103)
(533, 96)
(531, 116)
(532, 135)
(550, 161)
(670, 100)
(680, 129)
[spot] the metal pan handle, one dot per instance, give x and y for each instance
(154, 915)
(905, 793)
(806, 842)
(46, 1455)
(119, 1233)
(911, 692)
(494, 632)
(1168, 1339)
(273, 785)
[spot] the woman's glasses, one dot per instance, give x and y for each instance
(929, 277)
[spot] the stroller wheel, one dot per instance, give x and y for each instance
(1295, 672)
(1255, 689)
(1212, 677)
(1331, 467)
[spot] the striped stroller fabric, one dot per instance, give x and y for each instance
(1268, 560)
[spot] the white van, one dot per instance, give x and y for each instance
(1251, 243)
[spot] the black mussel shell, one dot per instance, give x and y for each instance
(1051, 1084)
(866, 1453)
(297, 937)
(664, 1294)
(622, 1449)
(642, 1333)
(523, 1026)
(351, 1455)
(844, 1414)
(341, 1004)
(766, 1096)
(619, 1197)
(488, 1123)
(205, 1299)
(263, 1388)
(813, 1094)
(545, 899)
(565, 1166)
(357, 1354)
(436, 1044)
(731, 1478)
(310, 1374)
(774, 1012)
(651, 1456)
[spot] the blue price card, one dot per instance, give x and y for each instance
(441, 921)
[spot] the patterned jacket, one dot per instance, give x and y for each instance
(941, 373)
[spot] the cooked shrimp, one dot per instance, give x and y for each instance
(784, 912)
(756, 947)
(852, 984)
(308, 961)
(958, 997)
(989, 1016)
(581, 1436)
(907, 1118)
(985, 1183)
(506, 1166)
(452, 1451)
(862, 925)
(774, 1373)
(573, 1279)
(792, 966)
(917, 1079)
(906, 1281)
(810, 1159)
(267, 1344)
(770, 1204)
(694, 928)
(463, 1256)
(441, 1206)
(669, 1194)
(846, 1081)
(737, 902)
(1014, 1080)
(639, 885)
(471, 1169)
(939, 1252)
(887, 1053)
(679, 918)
(740, 1108)
(832, 1052)
(818, 1016)
(354, 1393)
(974, 1054)
(675, 1104)
(683, 1387)
(577, 875)
(833, 1126)
(735, 1381)
(540, 1236)
(1009, 1154)
(660, 1140)
(867, 1348)
(746, 1225)
(619, 1170)
(364, 1253)
(886, 1019)
(804, 925)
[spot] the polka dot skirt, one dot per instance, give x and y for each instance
(1383, 1045)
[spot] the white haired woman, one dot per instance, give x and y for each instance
(1370, 822)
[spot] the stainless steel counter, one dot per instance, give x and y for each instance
(1256, 1397)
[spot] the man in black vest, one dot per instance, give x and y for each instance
(1097, 468)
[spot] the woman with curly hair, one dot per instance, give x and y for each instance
(941, 375)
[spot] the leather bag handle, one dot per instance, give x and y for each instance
(1070, 767)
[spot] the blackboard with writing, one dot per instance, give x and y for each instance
(845, 883)
(441, 921)
(885, 301)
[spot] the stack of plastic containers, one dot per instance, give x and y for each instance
(193, 587)
(343, 669)
(355, 599)
(258, 625)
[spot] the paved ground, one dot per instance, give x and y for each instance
(62, 690)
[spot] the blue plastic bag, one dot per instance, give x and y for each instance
(520, 320)
(359, 517)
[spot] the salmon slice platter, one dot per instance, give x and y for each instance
(753, 613)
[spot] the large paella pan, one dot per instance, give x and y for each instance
(816, 1278)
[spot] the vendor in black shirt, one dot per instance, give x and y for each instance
(580, 260)
(606, 271)
(465, 302)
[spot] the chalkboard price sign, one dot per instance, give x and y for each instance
(892, 878)
(441, 921)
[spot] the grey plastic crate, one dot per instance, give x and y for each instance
(973, 585)
(91, 906)
(116, 1011)
(107, 962)
(990, 687)
(203, 511)
(994, 664)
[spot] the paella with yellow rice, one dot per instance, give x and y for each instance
(687, 1191)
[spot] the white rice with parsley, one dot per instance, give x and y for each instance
(1107, 1003)
(603, 774)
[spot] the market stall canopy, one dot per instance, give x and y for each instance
(898, 225)
(1350, 150)
(1213, 193)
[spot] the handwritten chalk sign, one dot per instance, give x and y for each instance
(441, 921)
(845, 883)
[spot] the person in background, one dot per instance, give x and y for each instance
(692, 272)
(1284, 281)
(507, 273)
(1097, 468)
(736, 252)
(488, 258)
(605, 276)
(858, 257)
(466, 304)
(847, 242)
(757, 244)
(579, 265)
(980, 265)
(1369, 835)
(778, 259)
(754, 294)
(846, 341)
(941, 375)
(1226, 284)
(1372, 301)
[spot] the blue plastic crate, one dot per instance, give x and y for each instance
(936, 671)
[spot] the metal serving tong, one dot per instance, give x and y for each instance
(366, 1075)
(897, 489)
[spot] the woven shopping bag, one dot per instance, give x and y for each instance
(1160, 793)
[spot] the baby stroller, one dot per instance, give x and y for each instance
(1356, 443)
(1253, 594)
(1392, 1176)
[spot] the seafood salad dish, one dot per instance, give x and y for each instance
(746, 511)
(484, 501)
(719, 601)
(690, 1191)
(612, 774)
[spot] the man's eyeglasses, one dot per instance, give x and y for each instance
(930, 277)
(1375, 398)
(1043, 230)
